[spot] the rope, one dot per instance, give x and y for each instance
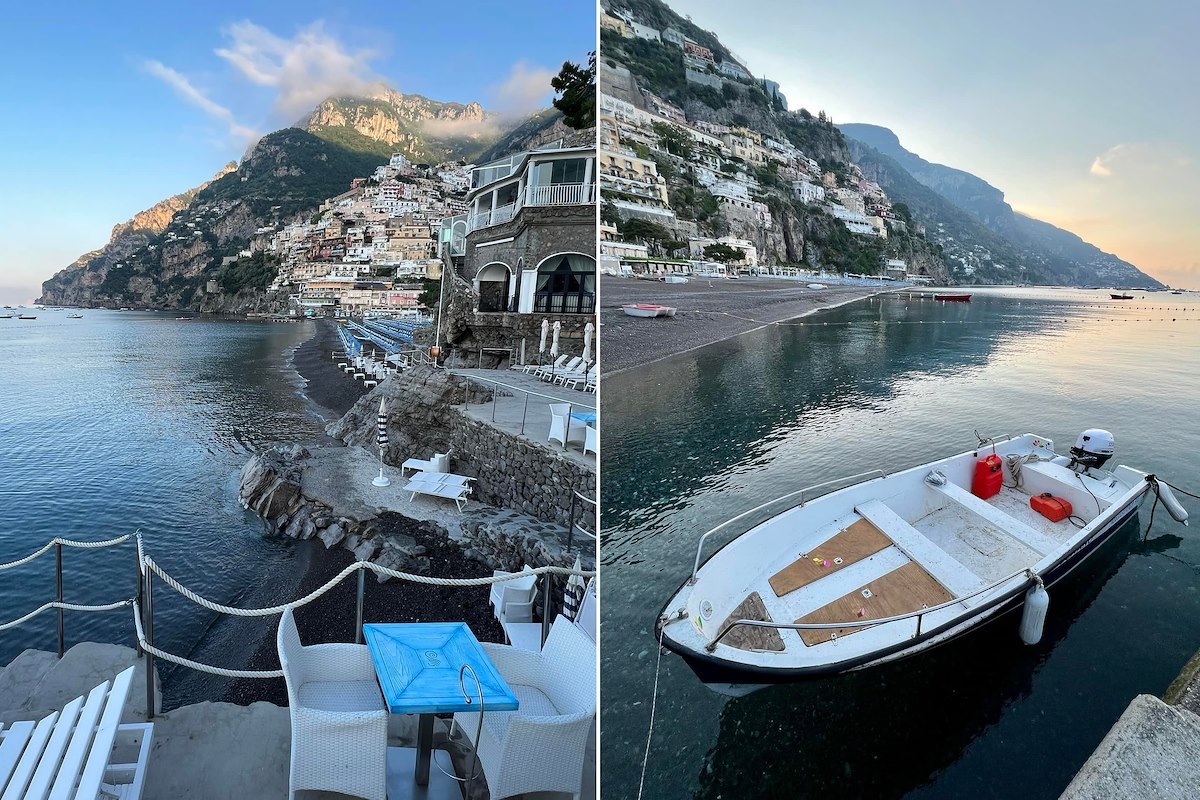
(65, 543)
(653, 709)
(350, 569)
(65, 607)
(196, 665)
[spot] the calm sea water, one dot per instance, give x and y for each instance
(120, 421)
(890, 383)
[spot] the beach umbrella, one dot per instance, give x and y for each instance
(381, 439)
(542, 341)
(554, 341)
(587, 342)
(573, 593)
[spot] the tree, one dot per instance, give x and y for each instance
(903, 212)
(644, 231)
(609, 214)
(671, 245)
(431, 292)
(723, 253)
(577, 89)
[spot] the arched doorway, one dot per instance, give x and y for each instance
(566, 284)
(494, 284)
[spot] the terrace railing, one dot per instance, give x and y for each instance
(564, 302)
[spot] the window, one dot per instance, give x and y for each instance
(567, 170)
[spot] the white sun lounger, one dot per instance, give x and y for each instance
(70, 754)
(440, 484)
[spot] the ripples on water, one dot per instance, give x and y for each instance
(694, 440)
(120, 421)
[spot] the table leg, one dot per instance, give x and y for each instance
(424, 748)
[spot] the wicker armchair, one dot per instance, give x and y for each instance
(540, 747)
(339, 720)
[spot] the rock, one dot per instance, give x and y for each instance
(332, 535)
(366, 550)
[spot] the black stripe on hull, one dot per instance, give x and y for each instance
(711, 669)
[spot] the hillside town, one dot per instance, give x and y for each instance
(639, 133)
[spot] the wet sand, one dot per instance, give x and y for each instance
(333, 390)
(708, 311)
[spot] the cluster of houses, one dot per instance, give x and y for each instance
(726, 160)
(370, 248)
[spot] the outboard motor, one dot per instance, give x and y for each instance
(1092, 450)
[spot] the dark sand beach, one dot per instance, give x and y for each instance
(334, 390)
(708, 311)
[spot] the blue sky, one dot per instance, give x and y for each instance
(1084, 112)
(113, 107)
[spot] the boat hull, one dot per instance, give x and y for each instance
(953, 298)
(737, 679)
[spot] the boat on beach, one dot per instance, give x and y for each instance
(893, 565)
(953, 298)
(26, 316)
(1121, 296)
(647, 310)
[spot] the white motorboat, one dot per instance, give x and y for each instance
(894, 565)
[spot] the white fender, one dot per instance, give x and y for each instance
(1168, 499)
(1033, 617)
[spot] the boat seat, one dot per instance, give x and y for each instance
(854, 543)
(1005, 523)
(945, 569)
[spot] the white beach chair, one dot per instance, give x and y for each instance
(339, 720)
(71, 752)
(440, 484)
(574, 377)
(562, 428)
(542, 369)
(568, 368)
(541, 746)
(439, 463)
(592, 381)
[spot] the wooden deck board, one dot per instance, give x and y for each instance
(747, 637)
(860, 540)
(904, 589)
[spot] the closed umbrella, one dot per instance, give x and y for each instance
(554, 345)
(381, 439)
(573, 593)
(587, 342)
(542, 341)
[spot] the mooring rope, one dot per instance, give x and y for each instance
(653, 710)
(65, 607)
(65, 543)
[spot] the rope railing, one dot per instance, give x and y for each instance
(63, 607)
(46, 548)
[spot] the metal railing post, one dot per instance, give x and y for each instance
(358, 615)
(493, 402)
(148, 624)
(546, 589)
(139, 601)
(571, 520)
(523, 410)
(58, 593)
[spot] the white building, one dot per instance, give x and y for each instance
(809, 192)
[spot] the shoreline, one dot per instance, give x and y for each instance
(709, 313)
(328, 388)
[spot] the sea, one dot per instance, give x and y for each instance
(122, 422)
(892, 382)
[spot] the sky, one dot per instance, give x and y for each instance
(1086, 113)
(110, 108)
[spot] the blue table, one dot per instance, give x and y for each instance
(418, 664)
(588, 417)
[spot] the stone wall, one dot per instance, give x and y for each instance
(518, 474)
(536, 233)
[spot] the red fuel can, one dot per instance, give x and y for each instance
(1055, 509)
(989, 477)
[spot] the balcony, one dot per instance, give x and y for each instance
(564, 303)
(560, 194)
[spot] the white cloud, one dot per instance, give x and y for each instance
(1139, 158)
(303, 70)
(525, 90)
(184, 88)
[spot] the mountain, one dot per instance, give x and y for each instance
(165, 256)
(1039, 250)
(424, 130)
(285, 176)
(73, 286)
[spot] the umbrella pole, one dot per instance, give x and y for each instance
(382, 480)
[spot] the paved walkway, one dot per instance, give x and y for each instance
(522, 408)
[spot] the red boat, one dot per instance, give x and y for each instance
(953, 298)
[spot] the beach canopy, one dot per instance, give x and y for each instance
(381, 437)
(587, 342)
(542, 342)
(554, 341)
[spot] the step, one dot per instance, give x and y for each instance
(1001, 521)
(945, 569)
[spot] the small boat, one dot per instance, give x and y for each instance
(817, 286)
(1121, 296)
(183, 319)
(893, 565)
(74, 316)
(1176, 291)
(26, 316)
(647, 310)
(953, 298)
(6, 316)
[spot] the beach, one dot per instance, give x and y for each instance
(709, 310)
(328, 386)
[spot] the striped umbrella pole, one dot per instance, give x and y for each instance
(381, 439)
